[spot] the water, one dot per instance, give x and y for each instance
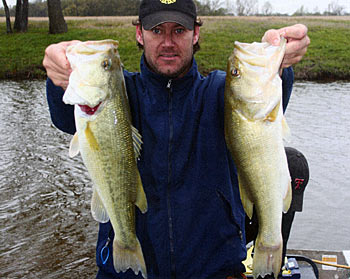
(46, 229)
(318, 116)
(45, 226)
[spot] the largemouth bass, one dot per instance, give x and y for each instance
(108, 144)
(254, 131)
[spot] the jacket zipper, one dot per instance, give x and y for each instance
(170, 220)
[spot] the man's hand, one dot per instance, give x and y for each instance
(56, 63)
(297, 42)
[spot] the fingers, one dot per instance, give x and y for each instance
(295, 50)
(272, 37)
(297, 42)
(56, 63)
(297, 31)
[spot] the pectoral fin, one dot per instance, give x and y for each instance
(74, 146)
(286, 134)
(98, 210)
(274, 113)
(141, 201)
(91, 138)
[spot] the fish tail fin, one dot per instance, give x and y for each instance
(267, 259)
(125, 257)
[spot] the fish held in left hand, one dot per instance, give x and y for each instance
(108, 143)
(254, 131)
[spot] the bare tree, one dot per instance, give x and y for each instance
(301, 11)
(246, 7)
(316, 11)
(8, 19)
(266, 8)
(335, 9)
(57, 24)
(21, 17)
(230, 6)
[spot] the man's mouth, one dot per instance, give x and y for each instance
(89, 110)
(168, 56)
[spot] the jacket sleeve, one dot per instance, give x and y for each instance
(62, 115)
(287, 86)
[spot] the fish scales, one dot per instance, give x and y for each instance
(106, 140)
(254, 128)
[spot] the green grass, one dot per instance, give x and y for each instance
(328, 56)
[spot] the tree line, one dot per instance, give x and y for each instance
(38, 8)
(57, 9)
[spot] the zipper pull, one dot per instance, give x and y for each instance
(105, 258)
(169, 84)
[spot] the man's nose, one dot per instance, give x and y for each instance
(168, 40)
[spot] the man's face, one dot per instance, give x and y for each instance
(168, 48)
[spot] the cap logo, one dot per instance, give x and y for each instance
(298, 182)
(167, 1)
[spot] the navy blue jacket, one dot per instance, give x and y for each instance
(194, 226)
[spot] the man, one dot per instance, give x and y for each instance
(194, 226)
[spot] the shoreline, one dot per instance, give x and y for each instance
(327, 58)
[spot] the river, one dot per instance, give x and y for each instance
(45, 223)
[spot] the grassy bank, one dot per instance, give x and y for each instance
(328, 57)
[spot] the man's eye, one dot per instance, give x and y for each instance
(179, 31)
(156, 31)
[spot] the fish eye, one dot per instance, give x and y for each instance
(107, 64)
(235, 72)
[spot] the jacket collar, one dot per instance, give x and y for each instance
(161, 82)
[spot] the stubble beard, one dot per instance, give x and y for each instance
(182, 71)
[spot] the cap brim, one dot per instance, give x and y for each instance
(152, 20)
(297, 202)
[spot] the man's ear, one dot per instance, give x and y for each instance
(139, 37)
(195, 34)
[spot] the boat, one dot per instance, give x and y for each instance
(310, 264)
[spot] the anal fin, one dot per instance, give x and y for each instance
(141, 201)
(246, 201)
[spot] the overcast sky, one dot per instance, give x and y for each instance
(290, 6)
(287, 6)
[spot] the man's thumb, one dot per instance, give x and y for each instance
(272, 37)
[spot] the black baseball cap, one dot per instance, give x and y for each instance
(155, 12)
(299, 172)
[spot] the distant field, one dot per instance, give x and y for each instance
(328, 56)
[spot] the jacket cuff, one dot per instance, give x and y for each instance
(287, 86)
(62, 115)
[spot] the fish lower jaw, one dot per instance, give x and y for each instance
(89, 110)
(86, 111)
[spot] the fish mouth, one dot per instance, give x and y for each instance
(89, 110)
